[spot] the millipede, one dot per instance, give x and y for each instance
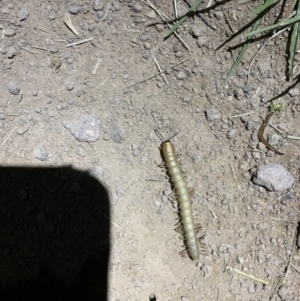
(189, 229)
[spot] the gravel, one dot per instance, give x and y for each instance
(274, 177)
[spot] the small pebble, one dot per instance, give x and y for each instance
(74, 9)
(197, 31)
(202, 41)
(40, 152)
(294, 92)
(9, 32)
(231, 133)
(11, 52)
(98, 5)
(13, 88)
(212, 114)
(117, 134)
(181, 75)
(23, 14)
(137, 8)
(70, 86)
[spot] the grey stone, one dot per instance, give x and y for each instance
(85, 128)
(212, 114)
(274, 177)
(116, 4)
(231, 133)
(40, 152)
(13, 88)
(180, 75)
(137, 8)
(117, 134)
(98, 5)
(197, 31)
(11, 52)
(74, 9)
(23, 14)
(9, 32)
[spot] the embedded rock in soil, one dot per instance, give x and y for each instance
(212, 114)
(84, 129)
(117, 135)
(13, 88)
(274, 177)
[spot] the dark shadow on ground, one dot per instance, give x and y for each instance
(54, 235)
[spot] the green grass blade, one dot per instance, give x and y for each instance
(280, 24)
(263, 7)
(293, 46)
(182, 20)
(241, 54)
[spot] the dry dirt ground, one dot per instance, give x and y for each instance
(71, 114)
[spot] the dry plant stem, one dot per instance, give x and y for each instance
(212, 212)
(79, 42)
(96, 66)
(292, 265)
(247, 275)
(157, 11)
(7, 138)
(111, 220)
(240, 115)
(289, 10)
(291, 256)
(162, 74)
(152, 76)
(261, 48)
(68, 22)
(175, 9)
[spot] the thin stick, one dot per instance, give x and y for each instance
(292, 265)
(260, 49)
(156, 62)
(240, 115)
(10, 134)
(105, 80)
(111, 220)
(175, 9)
(152, 76)
(79, 42)
(212, 212)
(96, 66)
(247, 275)
(293, 137)
(34, 53)
(40, 48)
(291, 256)
(158, 12)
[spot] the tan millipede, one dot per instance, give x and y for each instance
(184, 199)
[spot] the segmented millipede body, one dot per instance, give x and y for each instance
(184, 199)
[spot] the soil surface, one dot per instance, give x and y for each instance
(87, 209)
